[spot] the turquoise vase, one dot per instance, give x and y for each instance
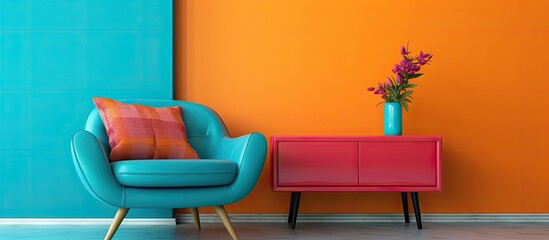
(392, 119)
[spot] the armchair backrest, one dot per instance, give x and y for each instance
(204, 126)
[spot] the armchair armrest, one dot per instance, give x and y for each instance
(248, 152)
(94, 169)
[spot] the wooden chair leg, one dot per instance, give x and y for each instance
(120, 214)
(226, 221)
(196, 218)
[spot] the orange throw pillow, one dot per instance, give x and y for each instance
(141, 132)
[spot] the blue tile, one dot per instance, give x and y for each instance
(1, 18)
(86, 60)
(129, 60)
(15, 122)
(53, 120)
(1, 51)
(1, 116)
(46, 179)
(42, 60)
(15, 186)
(68, 15)
(39, 120)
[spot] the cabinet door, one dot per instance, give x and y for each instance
(398, 163)
(317, 164)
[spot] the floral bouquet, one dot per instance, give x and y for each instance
(399, 89)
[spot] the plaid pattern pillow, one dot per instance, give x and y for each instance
(141, 132)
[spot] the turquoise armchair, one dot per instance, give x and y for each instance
(227, 171)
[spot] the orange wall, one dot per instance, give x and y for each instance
(301, 67)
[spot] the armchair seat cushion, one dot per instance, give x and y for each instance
(174, 172)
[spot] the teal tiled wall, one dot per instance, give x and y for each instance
(54, 56)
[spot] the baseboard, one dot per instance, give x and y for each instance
(85, 221)
(380, 218)
(282, 218)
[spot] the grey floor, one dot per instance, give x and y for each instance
(309, 231)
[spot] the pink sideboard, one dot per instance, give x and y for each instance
(356, 163)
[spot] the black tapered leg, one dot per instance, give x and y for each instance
(294, 205)
(417, 211)
(291, 210)
(404, 196)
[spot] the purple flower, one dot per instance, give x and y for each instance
(389, 82)
(403, 50)
(423, 58)
(422, 55)
(395, 69)
(406, 69)
(379, 91)
(413, 69)
(405, 66)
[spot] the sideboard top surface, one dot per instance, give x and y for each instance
(355, 138)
